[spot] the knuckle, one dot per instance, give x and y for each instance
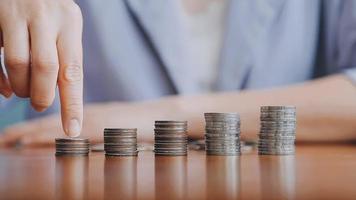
(72, 10)
(74, 107)
(47, 67)
(17, 63)
(41, 10)
(72, 73)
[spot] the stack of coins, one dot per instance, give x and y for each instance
(277, 132)
(72, 146)
(120, 141)
(222, 134)
(171, 138)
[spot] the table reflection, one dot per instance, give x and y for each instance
(277, 177)
(171, 177)
(120, 178)
(71, 177)
(223, 177)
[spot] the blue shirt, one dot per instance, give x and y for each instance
(136, 49)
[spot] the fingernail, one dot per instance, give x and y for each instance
(73, 129)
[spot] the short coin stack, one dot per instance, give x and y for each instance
(120, 141)
(72, 146)
(171, 138)
(222, 134)
(277, 130)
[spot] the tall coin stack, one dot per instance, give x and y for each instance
(72, 146)
(171, 138)
(222, 134)
(277, 130)
(120, 141)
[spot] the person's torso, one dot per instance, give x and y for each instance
(136, 49)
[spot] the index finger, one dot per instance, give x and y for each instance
(70, 77)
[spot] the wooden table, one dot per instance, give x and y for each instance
(315, 172)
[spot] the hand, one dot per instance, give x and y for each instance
(43, 48)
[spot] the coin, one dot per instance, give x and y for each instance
(72, 146)
(171, 138)
(277, 130)
(120, 141)
(222, 133)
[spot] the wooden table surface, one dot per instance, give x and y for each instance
(315, 172)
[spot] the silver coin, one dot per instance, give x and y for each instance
(278, 128)
(218, 138)
(108, 151)
(73, 149)
(121, 140)
(271, 136)
(174, 137)
(71, 154)
(274, 147)
(277, 131)
(214, 123)
(209, 135)
(263, 108)
(210, 131)
(273, 143)
(236, 143)
(237, 149)
(223, 144)
(278, 120)
(278, 123)
(221, 129)
(170, 122)
(171, 153)
(122, 154)
(225, 120)
(184, 147)
(223, 151)
(276, 144)
(236, 126)
(171, 129)
(278, 114)
(120, 146)
(216, 114)
(232, 146)
(121, 149)
(171, 144)
(278, 138)
(160, 151)
(276, 150)
(212, 153)
(279, 153)
(66, 140)
(64, 145)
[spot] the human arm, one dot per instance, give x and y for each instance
(326, 112)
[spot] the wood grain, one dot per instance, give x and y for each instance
(315, 172)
